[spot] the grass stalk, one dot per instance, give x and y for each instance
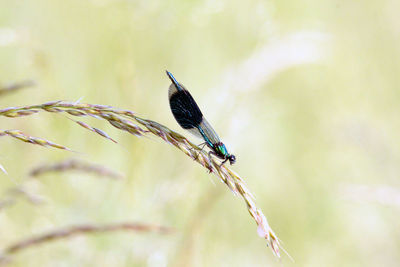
(126, 120)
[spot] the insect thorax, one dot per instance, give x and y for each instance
(221, 150)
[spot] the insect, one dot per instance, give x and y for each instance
(187, 113)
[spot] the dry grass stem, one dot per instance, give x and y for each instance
(76, 165)
(15, 87)
(79, 230)
(30, 139)
(127, 121)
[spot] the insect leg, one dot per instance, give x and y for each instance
(223, 162)
(202, 144)
(215, 154)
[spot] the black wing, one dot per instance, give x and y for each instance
(185, 110)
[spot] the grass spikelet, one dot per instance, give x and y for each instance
(75, 165)
(95, 130)
(17, 134)
(127, 121)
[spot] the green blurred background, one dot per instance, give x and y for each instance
(304, 93)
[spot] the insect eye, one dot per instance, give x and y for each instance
(232, 159)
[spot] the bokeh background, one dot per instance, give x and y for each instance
(304, 93)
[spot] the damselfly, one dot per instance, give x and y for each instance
(187, 113)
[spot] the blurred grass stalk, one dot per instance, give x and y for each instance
(78, 230)
(75, 165)
(10, 197)
(127, 121)
(15, 87)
